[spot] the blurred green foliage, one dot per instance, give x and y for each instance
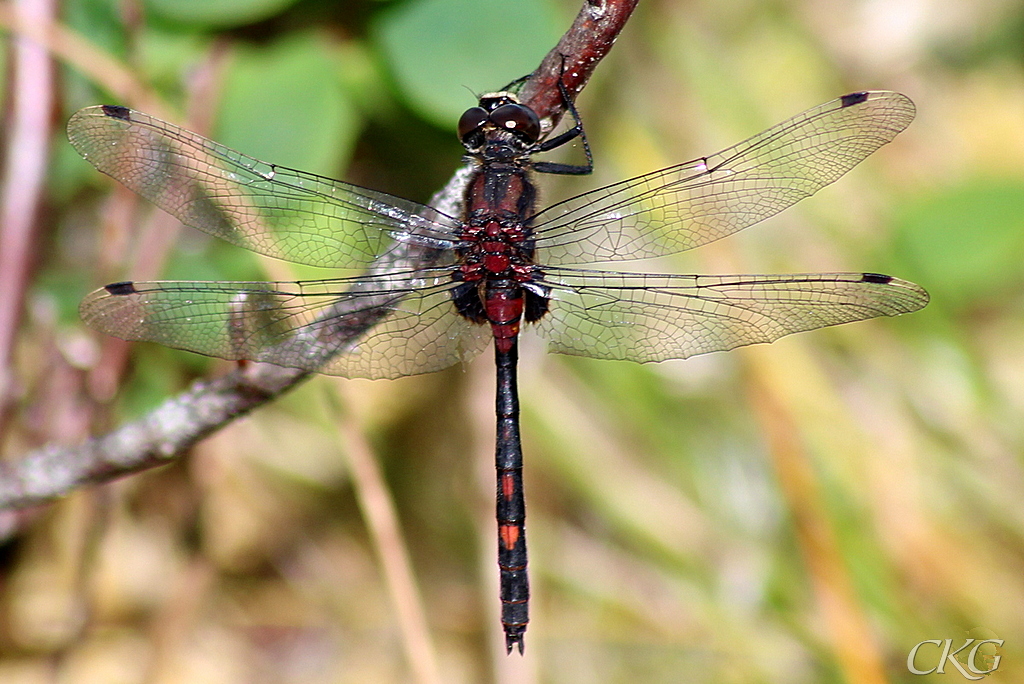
(294, 84)
(966, 242)
(427, 44)
(213, 14)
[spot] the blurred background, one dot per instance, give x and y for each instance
(801, 512)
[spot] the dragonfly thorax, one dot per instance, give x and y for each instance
(493, 248)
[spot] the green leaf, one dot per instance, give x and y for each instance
(163, 56)
(285, 104)
(965, 244)
(439, 48)
(217, 13)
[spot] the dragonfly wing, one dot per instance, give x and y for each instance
(692, 204)
(645, 318)
(353, 327)
(269, 209)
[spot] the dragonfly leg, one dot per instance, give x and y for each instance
(575, 132)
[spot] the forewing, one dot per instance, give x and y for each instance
(269, 209)
(353, 327)
(644, 318)
(685, 206)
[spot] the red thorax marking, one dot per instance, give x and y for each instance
(496, 263)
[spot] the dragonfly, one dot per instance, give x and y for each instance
(434, 288)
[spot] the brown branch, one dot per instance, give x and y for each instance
(181, 421)
(578, 52)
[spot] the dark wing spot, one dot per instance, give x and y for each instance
(876, 278)
(117, 112)
(854, 98)
(126, 287)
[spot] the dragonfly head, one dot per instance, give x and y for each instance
(499, 125)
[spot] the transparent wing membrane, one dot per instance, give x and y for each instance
(359, 327)
(692, 204)
(643, 318)
(268, 209)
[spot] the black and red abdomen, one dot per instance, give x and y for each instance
(503, 305)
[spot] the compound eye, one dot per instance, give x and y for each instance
(518, 118)
(471, 121)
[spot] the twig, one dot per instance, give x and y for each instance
(23, 178)
(209, 405)
(583, 46)
(80, 54)
(381, 516)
